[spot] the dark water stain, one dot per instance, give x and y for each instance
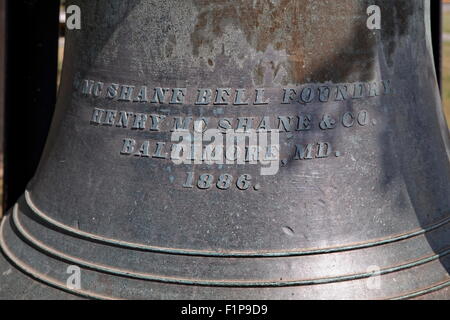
(395, 23)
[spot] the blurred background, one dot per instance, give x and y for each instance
(31, 55)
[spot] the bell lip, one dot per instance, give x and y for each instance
(209, 282)
(40, 277)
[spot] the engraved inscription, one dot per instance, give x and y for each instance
(283, 123)
(314, 93)
(194, 140)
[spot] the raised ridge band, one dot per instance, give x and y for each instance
(231, 254)
(213, 283)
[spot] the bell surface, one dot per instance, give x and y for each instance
(351, 201)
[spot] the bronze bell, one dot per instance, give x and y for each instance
(351, 201)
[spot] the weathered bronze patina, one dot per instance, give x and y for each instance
(357, 208)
